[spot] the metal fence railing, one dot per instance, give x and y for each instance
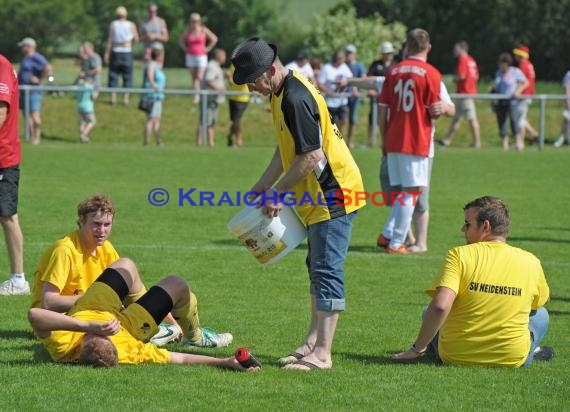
(541, 98)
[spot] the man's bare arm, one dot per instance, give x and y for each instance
(45, 321)
(53, 300)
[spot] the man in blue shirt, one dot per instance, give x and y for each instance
(34, 67)
(358, 70)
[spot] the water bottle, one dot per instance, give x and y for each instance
(246, 359)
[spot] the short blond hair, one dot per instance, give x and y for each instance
(98, 202)
(98, 352)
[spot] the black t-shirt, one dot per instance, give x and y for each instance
(378, 68)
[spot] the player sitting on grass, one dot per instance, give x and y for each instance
(99, 331)
(488, 298)
(71, 265)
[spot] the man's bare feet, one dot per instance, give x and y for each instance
(310, 362)
(296, 355)
(417, 249)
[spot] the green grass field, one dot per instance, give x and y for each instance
(267, 308)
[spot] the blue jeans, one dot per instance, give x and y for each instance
(537, 325)
(327, 246)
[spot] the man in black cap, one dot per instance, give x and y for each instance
(313, 163)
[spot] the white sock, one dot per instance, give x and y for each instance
(403, 215)
(389, 225)
(18, 279)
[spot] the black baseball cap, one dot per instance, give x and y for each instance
(251, 59)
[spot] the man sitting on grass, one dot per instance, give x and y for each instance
(99, 331)
(71, 265)
(488, 298)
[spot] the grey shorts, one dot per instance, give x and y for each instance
(465, 108)
(86, 118)
(211, 112)
(156, 111)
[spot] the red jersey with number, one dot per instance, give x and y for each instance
(468, 75)
(528, 70)
(10, 150)
(410, 88)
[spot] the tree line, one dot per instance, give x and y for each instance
(489, 26)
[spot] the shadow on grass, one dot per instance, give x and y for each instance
(559, 313)
(57, 139)
(559, 298)
(17, 334)
(385, 359)
(537, 239)
(558, 229)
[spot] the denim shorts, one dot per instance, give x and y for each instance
(328, 243)
(35, 101)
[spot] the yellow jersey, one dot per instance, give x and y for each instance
(65, 346)
(69, 268)
(242, 98)
(302, 124)
(497, 286)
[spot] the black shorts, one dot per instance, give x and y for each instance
(9, 182)
(237, 109)
(338, 114)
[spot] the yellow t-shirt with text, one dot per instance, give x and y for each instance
(497, 286)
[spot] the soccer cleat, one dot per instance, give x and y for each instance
(382, 241)
(211, 339)
(559, 142)
(9, 288)
(543, 353)
(167, 332)
(399, 251)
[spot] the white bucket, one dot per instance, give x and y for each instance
(268, 238)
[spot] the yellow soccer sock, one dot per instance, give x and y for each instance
(133, 297)
(188, 319)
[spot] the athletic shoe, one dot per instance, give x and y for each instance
(543, 353)
(382, 241)
(167, 332)
(559, 142)
(9, 288)
(211, 339)
(84, 138)
(400, 251)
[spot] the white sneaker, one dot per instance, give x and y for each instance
(559, 142)
(167, 332)
(211, 339)
(9, 288)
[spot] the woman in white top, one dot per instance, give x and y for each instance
(118, 52)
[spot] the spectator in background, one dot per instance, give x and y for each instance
(379, 68)
(119, 52)
(358, 70)
(213, 80)
(238, 106)
(522, 57)
(197, 41)
(85, 107)
(466, 77)
(565, 130)
(34, 67)
(510, 81)
(316, 65)
(155, 80)
(91, 66)
(153, 30)
(10, 158)
(303, 66)
(329, 80)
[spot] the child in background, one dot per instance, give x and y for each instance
(85, 107)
